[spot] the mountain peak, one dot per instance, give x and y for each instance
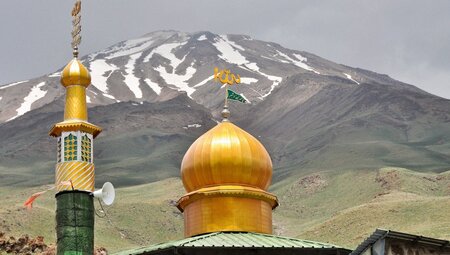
(162, 63)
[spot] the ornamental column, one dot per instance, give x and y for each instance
(74, 160)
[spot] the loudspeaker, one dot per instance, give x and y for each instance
(106, 194)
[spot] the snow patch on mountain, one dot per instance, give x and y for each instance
(35, 94)
(12, 84)
(299, 62)
(172, 78)
(196, 125)
(165, 50)
(228, 52)
(248, 80)
(202, 38)
(154, 86)
(54, 75)
(129, 47)
(300, 57)
(275, 79)
(88, 99)
(235, 45)
(178, 80)
(275, 59)
(350, 78)
(203, 82)
(99, 68)
(130, 79)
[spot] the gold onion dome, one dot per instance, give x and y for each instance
(226, 173)
(75, 78)
(75, 73)
(226, 155)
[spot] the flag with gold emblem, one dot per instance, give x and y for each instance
(235, 96)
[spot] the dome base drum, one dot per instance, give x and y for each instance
(227, 208)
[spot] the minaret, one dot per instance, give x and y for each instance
(226, 173)
(75, 164)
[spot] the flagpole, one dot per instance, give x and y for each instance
(225, 111)
(226, 95)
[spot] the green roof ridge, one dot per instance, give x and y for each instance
(234, 239)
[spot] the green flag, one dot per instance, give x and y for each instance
(235, 96)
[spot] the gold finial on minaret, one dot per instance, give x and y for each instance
(75, 77)
(225, 113)
(76, 31)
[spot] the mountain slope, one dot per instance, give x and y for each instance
(310, 112)
(161, 64)
(365, 126)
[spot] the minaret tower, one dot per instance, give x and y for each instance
(75, 164)
(226, 173)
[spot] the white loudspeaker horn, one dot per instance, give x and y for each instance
(107, 193)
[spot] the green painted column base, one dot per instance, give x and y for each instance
(75, 223)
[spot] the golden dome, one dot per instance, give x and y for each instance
(75, 73)
(226, 155)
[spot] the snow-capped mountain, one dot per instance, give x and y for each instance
(156, 94)
(160, 65)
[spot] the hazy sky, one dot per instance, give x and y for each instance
(408, 40)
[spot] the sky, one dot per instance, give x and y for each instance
(406, 39)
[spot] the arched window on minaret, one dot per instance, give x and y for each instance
(86, 149)
(70, 147)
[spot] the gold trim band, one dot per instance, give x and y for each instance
(227, 191)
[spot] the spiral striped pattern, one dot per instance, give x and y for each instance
(80, 173)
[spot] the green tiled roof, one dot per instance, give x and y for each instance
(234, 240)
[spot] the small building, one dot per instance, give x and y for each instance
(388, 242)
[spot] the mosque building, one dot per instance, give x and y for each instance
(226, 173)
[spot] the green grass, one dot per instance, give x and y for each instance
(340, 207)
(141, 215)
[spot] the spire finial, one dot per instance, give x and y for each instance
(225, 113)
(76, 31)
(226, 78)
(75, 52)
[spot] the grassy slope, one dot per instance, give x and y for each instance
(141, 215)
(338, 207)
(392, 198)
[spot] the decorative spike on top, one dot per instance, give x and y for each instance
(226, 78)
(76, 31)
(225, 113)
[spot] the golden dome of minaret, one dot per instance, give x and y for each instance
(226, 155)
(75, 78)
(226, 173)
(75, 73)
